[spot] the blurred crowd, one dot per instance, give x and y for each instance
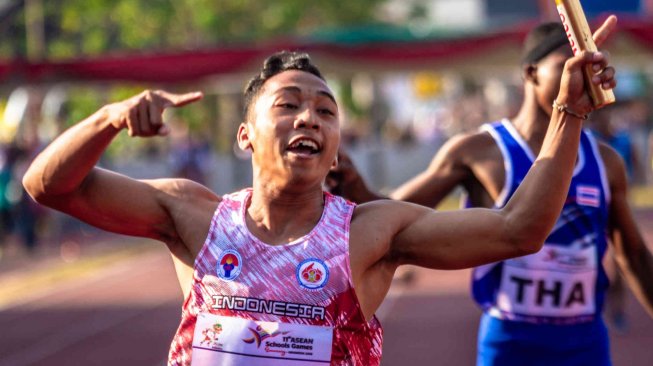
(397, 114)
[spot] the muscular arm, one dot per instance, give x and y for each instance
(473, 237)
(65, 178)
(386, 234)
(476, 236)
(447, 170)
(633, 258)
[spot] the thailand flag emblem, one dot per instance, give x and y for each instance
(588, 195)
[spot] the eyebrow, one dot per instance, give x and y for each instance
(296, 89)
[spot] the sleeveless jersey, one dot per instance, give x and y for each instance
(256, 304)
(527, 299)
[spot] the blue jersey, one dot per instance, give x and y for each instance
(546, 307)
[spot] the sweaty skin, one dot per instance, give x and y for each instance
(287, 199)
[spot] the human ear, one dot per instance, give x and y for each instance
(334, 164)
(242, 135)
(530, 73)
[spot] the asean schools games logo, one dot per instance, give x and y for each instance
(312, 274)
(229, 265)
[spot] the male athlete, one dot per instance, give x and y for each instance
(545, 308)
(295, 253)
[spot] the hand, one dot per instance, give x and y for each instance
(142, 114)
(344, 179)
(572, 88)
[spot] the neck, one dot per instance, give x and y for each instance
(532, 122)
(279, 215)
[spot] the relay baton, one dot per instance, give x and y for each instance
(580, 37)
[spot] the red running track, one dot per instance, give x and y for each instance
(126, 313)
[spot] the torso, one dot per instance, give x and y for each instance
(564, 283)
(304, 287)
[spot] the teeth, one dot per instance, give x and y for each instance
(304, 143)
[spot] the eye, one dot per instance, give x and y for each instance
(287, 105)
(326, 111)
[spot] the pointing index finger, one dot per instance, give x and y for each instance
(607, 28)
(179, 100)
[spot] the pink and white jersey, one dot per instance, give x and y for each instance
(257, 304)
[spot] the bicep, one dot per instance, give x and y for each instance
(455, 239)
(119, 204)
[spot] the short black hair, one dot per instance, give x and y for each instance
(542, 40)
(273, 65)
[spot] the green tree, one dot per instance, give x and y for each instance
(77, 28)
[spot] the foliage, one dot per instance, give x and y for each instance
(92, 27)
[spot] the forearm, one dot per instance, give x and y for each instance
(66, 162)
(535, 206)
(425, 189)
(641, 279)
(636, 264)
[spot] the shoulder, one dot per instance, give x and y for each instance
(466, 148)
(611, 159)
(615, 167)
(183, 198)
(473, 141)
(183, 189)
(384, 217)
(373, 227)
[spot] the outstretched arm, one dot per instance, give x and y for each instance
(428, 188)
(476, 236)
(447, 170)
(65, 178)
(633, 258)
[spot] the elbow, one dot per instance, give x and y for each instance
(529, 246)
(38, 186)
(33, 186)
(527, 241)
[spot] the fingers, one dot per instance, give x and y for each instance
(133, 127)
(604, 74)
(596, 58)
(605, 30)
(155, 114)
(572, 87)
(144, 118)
(605, 78)
(178, 100)
(142, 115)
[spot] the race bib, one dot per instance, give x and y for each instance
(228, 341)
(555, 282)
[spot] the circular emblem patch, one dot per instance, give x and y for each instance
(312, 274)
(229, 265)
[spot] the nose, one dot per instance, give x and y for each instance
(307, 118)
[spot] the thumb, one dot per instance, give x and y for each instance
(164, 130)
(605, 30)
(179, 100)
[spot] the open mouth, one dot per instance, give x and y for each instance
(304, 147)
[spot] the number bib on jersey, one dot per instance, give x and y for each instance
(555, 282)
(221, 340)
